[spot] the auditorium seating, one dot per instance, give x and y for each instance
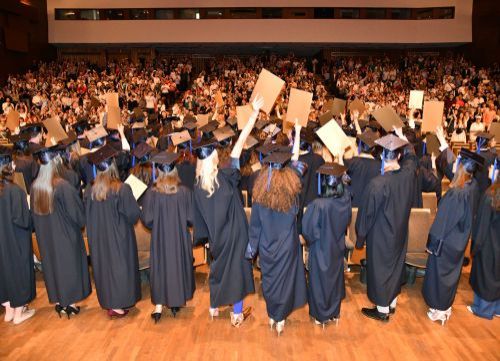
(430, 202)
(416, 255)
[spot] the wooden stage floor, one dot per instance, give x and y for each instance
(410, 335)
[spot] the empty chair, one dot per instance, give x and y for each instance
(430, 202)
(416, 255)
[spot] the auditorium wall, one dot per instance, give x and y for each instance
(23, 35)
(443, 31)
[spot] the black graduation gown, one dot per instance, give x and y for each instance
(72, 177)
(171, 261)
(59, 237)
(187, 174)
(382, 223)
(113, 248)
(17, 276)
(361, 171)
(449, 233)
(485, 272)
(274, 236)
(427, 180)
(221, 218)
(309, 181)
(324, 226)
(26, 165)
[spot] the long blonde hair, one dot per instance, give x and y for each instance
(206, 173)
(460, 178)
(167, 183)
(108, 180)
(43, 189)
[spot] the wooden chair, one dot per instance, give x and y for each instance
(430, 201)
(418, 231)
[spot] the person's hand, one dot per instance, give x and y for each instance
(398, 131)
(258, 102)
(355, 114)
(53, 141)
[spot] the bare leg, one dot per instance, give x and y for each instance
(9, 312)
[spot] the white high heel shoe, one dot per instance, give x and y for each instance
(437, 315)
(237, 319)
(271, 323)
(213, 312)
(280, 326)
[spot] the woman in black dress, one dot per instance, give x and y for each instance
(112, 211)
(59, 217)
(17, 276)
(273, 234)
(324, 227)
(219, 217)
(485, 273)
(167, 211)
(448, 238)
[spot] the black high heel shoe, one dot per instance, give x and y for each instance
(72, 310)
(59, 309)
(156, 316)
(174, 310)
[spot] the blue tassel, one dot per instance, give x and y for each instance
(154, 172)
(480, 144)
(382, 165)
(424, 150)
(457, 162)
(495, 167)
(190, 146)
(94, 172)
(269, 174)
(260, 157)
(133, 161)
(359, 148)
(319, 184)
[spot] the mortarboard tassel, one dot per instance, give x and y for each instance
(190, 146)
(359, 148)
(495, 167)
(382, 165)
(260, 157)
(94, 173)
(154, 172)
(319, 184)
(424, 149)
(269, 174)
(480, 144)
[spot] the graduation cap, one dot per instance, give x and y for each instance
(165, 161)
(205, 148)
(232, 121)
(45, 154)
(190, 125)
(181, 138)
(32, 129)
(485, 136)
(276, 160)
(261, 123)
(468, 155)
(81, 126)
(20, 141)
(96, 136)
(328, 174)
(68, 141)
(224, 135)
(5, 155)
(102, 158)
(390, 143)
(139, 135)
(269, 148)
(209, 128)
(368, 137)
(142, 151)
(250, 142)
(153, 130)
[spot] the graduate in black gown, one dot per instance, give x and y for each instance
(313, 162)
(17, 275)
(111, 212)
(273, 234)
(363, 168)
(382, 223)
(25, 163)
(167, 210)
(448, 238)
(485, 150)
(58, 217)
(324, 227)
(485, 273)
(219, 217)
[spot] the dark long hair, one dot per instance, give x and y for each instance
(6, 175)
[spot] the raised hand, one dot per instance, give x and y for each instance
(258, 102)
